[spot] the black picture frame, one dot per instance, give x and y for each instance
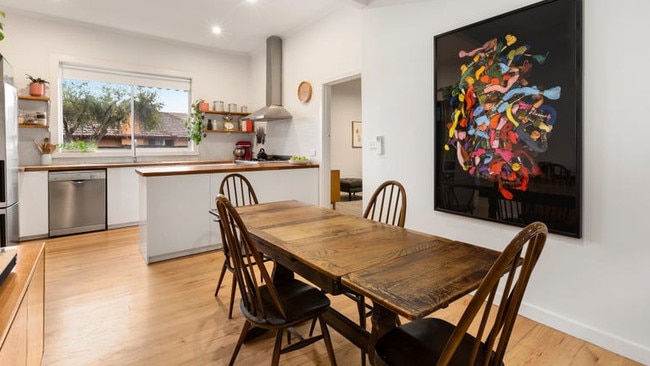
(508, 119)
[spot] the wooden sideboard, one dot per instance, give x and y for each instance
(22, 308)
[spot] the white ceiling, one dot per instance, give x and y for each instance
(245, 25)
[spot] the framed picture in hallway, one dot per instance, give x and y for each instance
(356, 134)
(508, 117)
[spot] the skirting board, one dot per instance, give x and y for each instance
(611, 342)
(182, 253)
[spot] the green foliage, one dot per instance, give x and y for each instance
(89, 114)
(79, 145)
(194, 123)
(37, 80)
(2, 27)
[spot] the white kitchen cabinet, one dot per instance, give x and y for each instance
(174, 218)
(122, 197)
(270, 186)
(32, 205)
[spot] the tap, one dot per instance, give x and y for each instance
(135, 148)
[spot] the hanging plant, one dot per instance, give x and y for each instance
(194, 124)
(2, 26)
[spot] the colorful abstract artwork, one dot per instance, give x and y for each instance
(499, 120)
(508, 93)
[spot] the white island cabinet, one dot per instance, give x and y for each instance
(174, 203)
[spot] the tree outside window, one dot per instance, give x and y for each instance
(103, 113)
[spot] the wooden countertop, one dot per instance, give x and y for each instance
(14, 287)
(218, 168)
(36, 168)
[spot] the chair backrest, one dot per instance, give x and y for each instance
(247, 260)
(513, 273)
(238, 190)
(388, 204)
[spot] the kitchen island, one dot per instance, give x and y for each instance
(174, 201)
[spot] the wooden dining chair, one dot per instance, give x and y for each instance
(240, 192)
(432, 341)
(388, 204)
(268, 305)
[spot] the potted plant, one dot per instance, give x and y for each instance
(194, 124)
(204, 106)
(36, 86)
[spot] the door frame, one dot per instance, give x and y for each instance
(326, 136)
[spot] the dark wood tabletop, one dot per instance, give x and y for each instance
(327, 244)
(402, 271)
(415, 286)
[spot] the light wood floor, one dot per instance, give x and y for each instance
(104, 306)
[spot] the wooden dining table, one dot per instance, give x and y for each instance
(402, 271)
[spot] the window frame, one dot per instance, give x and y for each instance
(56, 114)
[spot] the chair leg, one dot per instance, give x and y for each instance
(328, 341)
(278, 346)
(232, 296)
(311, 328)
(361, 308)
(223, 273)
(240, 341)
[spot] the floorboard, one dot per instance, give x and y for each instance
(104, 306)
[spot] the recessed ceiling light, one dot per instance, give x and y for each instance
(251, 1)
(216, 30)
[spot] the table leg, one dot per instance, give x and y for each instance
(383, 320)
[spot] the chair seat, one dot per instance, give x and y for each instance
(423, 341)
(300, 302)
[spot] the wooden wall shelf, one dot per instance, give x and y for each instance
(29, 97)
(32, 126)
(227, 113)
(226, 131)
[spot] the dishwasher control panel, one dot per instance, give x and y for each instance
(57, 176)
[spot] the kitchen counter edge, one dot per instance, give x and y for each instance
(218, 168)
(37, 168)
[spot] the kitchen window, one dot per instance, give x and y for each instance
(109, 109)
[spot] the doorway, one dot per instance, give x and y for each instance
(343, 106)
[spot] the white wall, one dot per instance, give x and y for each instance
(345, 107)
(596, 287)
(327, 51)
(33, 45)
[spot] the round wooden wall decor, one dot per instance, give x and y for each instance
(304, 91)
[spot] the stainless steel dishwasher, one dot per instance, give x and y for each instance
(77, 201)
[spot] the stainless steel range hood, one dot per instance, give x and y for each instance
(273, 109)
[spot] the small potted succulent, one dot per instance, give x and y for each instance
(36, 86)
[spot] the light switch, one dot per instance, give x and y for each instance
(379, 143)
